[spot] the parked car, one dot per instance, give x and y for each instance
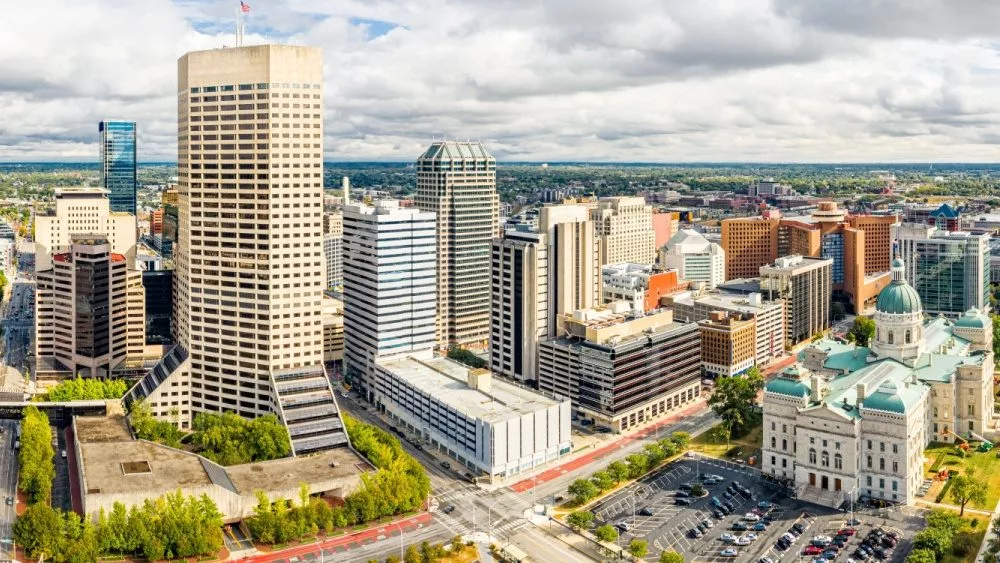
(765, 560)
(729, 552)
(812, 550)
(764, 505)
(740, 527)
(742, 541)
(760, 527)
(846, 532)
(799, 527)
(682, 502)
(751, 517)
(718, 514)
(445, 465)
(728, 538)
(707, 523)
(682, 494)
(449, 509)
(695, 533)
(685, 487)
(645, 511)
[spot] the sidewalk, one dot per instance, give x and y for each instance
(697, 406)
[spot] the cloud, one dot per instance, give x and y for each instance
(655, 80)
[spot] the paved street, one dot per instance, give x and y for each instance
(19, 323)
(8, 486)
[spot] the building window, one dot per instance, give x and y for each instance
(784, 463)
(881, 483)
(935, 415)
(774, 461)
(895, 448)
(773, 425)
(895, 467)
(869, 462)
(891, 339)
(869, 482)
(972, 426)
(838, 461)
(825, 459)
(869, 444)
(881, 446)
(784, 428)
(784, 445)
(774, 442)
(836, 445)
(972, 410)
(812, 456)
(908, 339)
(812, 440)
(881, 464)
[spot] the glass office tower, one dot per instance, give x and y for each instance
(118, 164)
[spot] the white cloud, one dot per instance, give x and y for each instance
(657, 80)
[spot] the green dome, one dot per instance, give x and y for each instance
(898, 298)
(973, 319)
(882, 401)
(787, 387)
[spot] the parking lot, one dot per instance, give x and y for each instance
(649, 509)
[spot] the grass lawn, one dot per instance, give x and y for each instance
(976, 533)
(986, 466)
(468, 555)
(746, 445)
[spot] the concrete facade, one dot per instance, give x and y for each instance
(519, 302)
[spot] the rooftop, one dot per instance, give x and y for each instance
(454, 150)
(448, 381)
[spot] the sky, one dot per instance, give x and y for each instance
(537, 80)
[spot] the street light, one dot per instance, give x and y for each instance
(400, 527)
(489, 518)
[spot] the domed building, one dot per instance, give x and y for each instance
(850, 420)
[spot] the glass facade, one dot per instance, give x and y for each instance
(159, 305)
(950, 277)
(118, 174)
(833, 248)
(93, 308)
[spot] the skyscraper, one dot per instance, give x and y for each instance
(574, 270)
(949, 269)
(390, 287)
(804, 283)
(249, 257)
(520, 302)
(118, 174)
(457, 182)
(695, 258)
(625, 227)
(333, 247)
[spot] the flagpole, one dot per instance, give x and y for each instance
(238, 17)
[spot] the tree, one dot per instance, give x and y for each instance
(837, 310)
(697, 490)
(637, 465)
(966, 488)
(734, 399)
(638, 548)
(581, 519)
(921, 556)
(603, 480)
(683, 439)
(946, 519)
(583, 490)
(38, 530)
(671, 557)
(862, 332)
(466, 357)
(36, 457)
(606, 533)
(412, 555)
(619, 471)
(937, 540)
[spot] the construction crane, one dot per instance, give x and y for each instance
(986, 444)
(965, 443)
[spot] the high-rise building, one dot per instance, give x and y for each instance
(695, 258)
(158, 285)
(457, 182)
(804, 284)
(621, 369)
(728, 343)
(949, 269)
(519, 316)
(249, 272)
(574, 260)
(665, 226)
(90, 310)
(390, 287)
(81, 211)
(749, 243)
(333, 247)
(118, 171)
(625, 228)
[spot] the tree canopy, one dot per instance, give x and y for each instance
(863, 331)
(89, 389)
(148, 428)
(735, 398)
(230, 439)
(966, 488)
(36, 457)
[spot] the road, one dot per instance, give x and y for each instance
(19, 323)
(502, 512)
(8, 487)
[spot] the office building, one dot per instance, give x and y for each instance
(620, 370)
(457, 182)
(248, 286)
(850, 422)
(333, 248)
(81, 211)
(695, 258)
(519, 299)
(803, 283)
(390, 284)
(624, 226)
(945, 218)
(493, 429)
(768, 188)
(665, 226)
(574, 259)
(859, 245)
(158, 286)
(728, 344)
(90, 310)
(949, 269)
(768, 316)
(118, 170)
(639, 284)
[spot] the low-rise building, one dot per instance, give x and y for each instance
(621, 368)
(493, 428)
(639, 284)
(695, 258)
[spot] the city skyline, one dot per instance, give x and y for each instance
(760, 81)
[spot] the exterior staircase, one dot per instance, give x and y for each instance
(309, 410)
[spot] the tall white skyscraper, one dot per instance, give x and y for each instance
(457, 182)
(249, 260)
(390, 287)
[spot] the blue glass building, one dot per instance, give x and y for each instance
(118, 164)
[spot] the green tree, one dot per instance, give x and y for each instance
(619, 471)
(36, 457)
(921, 556)
(837, 310)
(966, 488)
(937, 540)
(671, 557)
(38, 530)
(466, 357)
(392, 559)
(638, 548)
(606, 533)
(603, 480)
(862, 332)
(683, 439)
(943, 518)
(412, 555)
(582, 490)
(697, 490)
(734, 399)
(581, 519)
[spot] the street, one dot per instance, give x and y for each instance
(19, 323)
(8, 487)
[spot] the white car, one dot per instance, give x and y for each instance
(824, 539)
(729, 552)
(750, 536)
(728, 538)
(741, 541)
(790, 538)
(751, 517)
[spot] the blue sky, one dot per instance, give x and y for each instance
(537, 80)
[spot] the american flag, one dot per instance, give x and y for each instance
(244, 7)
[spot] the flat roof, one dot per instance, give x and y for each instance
(447, 380)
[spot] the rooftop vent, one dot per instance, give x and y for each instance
(136, 468)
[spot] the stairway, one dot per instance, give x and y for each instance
(143, 388)
(309, 410)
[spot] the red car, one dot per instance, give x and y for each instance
(846, 532)
(812, 550)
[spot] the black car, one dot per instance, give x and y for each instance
(889, 542)
(645, 511)
(726, 510)
(799, 527)
(685, 487)
(783, 544)
(703, 528)
(695, 533)
(718, 514)
(445, 465)
(740, 527)
(861, 555)
(730, 506)
(682, 502)
(449, 509)
(880, 553)
(682, 494)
